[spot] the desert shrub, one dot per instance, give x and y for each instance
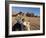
(29, 14)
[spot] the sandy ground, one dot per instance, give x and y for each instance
(34, 22)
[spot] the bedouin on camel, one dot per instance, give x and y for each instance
(19, 26)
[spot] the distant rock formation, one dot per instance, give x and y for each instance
(27, 14)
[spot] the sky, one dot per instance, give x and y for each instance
(34, 10)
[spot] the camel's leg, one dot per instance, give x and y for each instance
(28, 26)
